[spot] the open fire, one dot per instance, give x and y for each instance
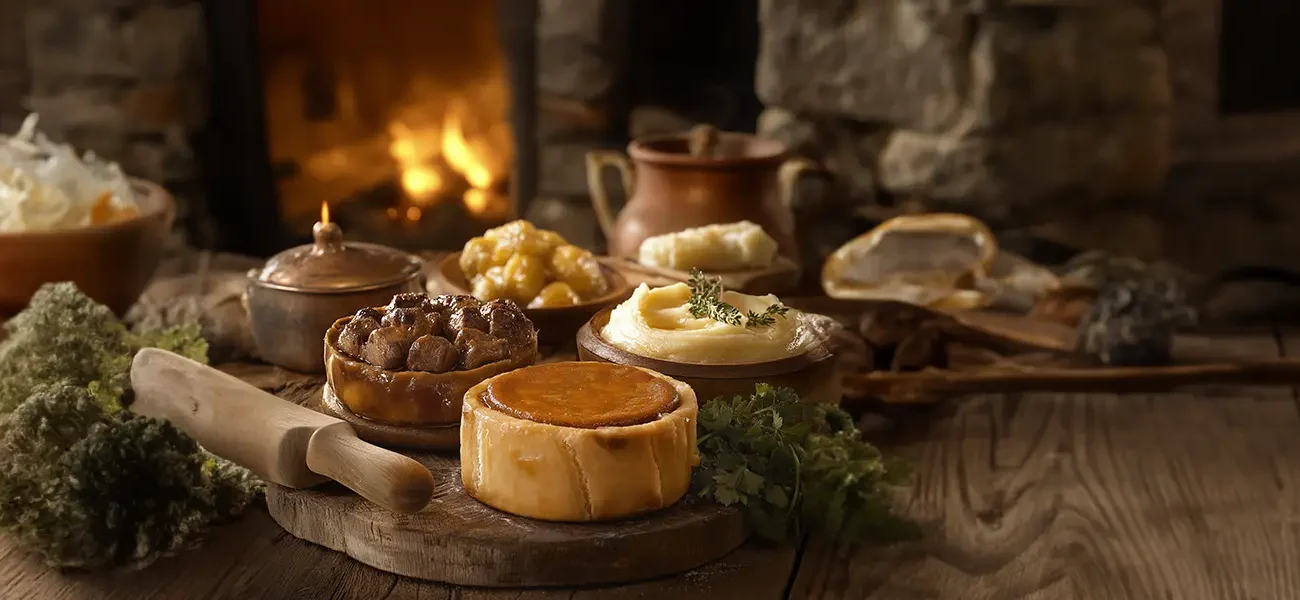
(459, 154)
(399, 110)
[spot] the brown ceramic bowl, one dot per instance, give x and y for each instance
(555, 325)
(412, 398)
(812, 374)
(111, 263)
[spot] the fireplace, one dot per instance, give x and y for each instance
(415, 120)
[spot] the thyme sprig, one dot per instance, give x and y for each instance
(706, 302)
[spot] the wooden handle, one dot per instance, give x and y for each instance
(273, 438)
(597, 160)
(791, 171)
(391, 480)
(924, 386)
(702, 140)
(228, 417)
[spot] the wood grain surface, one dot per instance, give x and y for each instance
(1189, 496)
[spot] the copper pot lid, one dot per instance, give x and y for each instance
(332, 265)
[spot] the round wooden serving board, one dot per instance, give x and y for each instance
(460, 541)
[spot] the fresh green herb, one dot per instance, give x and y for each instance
(797, 468)
(87, 484)
(706, 301)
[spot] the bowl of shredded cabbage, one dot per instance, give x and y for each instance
(70, 216)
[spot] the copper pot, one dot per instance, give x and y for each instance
(674, 183)
(301, 292)
(110, 263)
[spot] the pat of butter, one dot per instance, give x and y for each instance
(726, 247)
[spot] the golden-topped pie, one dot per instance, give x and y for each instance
(578, 441)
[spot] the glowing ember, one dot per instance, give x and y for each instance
(421, 183)
(413, 213)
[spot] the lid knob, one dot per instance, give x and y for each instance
(328, 236)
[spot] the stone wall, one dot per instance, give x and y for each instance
(125, 79)
(1008, 111)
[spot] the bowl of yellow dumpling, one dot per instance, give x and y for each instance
(559, 285)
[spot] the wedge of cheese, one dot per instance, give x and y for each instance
(724, 247)
(578, 441)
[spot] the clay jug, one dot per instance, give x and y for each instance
(698, 178)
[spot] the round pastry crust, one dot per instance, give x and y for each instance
(408, 397)
(559, 473)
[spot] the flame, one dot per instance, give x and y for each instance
(325, 213)
(439, 151)
(461, 156)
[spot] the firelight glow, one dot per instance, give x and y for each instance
(325, 213)
(461, 156)
(439, 154)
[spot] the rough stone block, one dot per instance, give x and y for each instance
(927, 67)
(578, 48)
(166, 42)
(1024, 176)
(885, 60)
(67, 46)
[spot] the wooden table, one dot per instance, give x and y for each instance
(1174, 496)
(1183, 496)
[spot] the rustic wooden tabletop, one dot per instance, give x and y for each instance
(1189, 496)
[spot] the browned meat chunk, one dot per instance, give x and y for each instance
(409, 300)
(466, 317)
(506, 320)
(413, 320)
(450, 302)
(387, 347)
(438, 323)
(432, 354)
(371, 313)
(355, 334)
(478, 348)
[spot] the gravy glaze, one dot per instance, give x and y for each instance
(584, 395)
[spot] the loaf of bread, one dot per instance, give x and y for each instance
(578, 441)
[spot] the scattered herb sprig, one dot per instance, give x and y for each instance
(706, 301)
(797, 468)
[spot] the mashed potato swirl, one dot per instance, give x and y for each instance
(656, 323)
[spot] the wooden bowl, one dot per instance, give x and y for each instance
(781, 276)
(110, 263)
(406, 398)
(812, 374)
(555, 325)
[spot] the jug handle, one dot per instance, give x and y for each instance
(791, 171)
(597, 161)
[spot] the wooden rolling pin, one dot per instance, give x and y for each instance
(278, 440)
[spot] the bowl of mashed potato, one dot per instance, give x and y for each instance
(723, 346)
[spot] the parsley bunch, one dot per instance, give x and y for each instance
(797, 468)
(706, 301)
